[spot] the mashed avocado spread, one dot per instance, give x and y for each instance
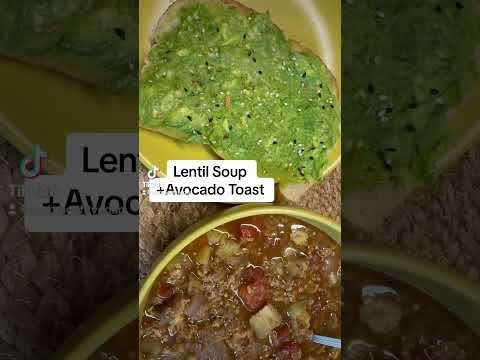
(235, 83)
(405, 65)
(94, 41)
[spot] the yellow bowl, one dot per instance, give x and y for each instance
(329, 227)
(455, 292)
(112, 317)
(320, 32)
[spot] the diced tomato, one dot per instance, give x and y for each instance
(164, 292)
(248, 229)
(254, 289)
(147, 322)
(290, 351)
(281, 336)
(284, 343)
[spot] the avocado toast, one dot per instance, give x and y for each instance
(95, 42)
(223, 75)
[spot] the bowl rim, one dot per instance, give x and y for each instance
(388, 259)
(107, 321)
(238, 212)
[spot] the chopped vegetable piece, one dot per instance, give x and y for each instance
(299, 237)
(265, 321)
(299, 315)
(381, 313)
(254, 288)
(164, 292)
(203, 255)
(281, 336)
(228, 248)
(215, 237)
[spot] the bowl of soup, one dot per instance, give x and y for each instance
(256, 281)
(400, 307)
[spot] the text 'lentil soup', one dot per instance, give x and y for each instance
(387, 319)
(255, 288)
(225, 76)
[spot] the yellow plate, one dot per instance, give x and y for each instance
(239, 212)
(42, 107)
(320, 31)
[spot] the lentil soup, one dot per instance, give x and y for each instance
(255, 288)
(388, 319)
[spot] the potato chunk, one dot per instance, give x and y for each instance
(264, 321)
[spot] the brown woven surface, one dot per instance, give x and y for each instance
(160, 224)
(50, 283)
(442, 223)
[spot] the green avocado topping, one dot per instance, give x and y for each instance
(405, 65)
(97, 40)
(235, 83)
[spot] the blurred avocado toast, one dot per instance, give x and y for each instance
(223, 75)
(94, 41)
(407, 66)
(410, 69)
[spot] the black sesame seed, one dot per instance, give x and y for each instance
(321, 86)
(304, 75)
(249, 53)
(210, 120)
(230, 127)
(189, 117)
(323, 107)
(410, 128)
(332, 106)
(254, 60)
(185, 89)
(391, 149)
(274, 143)
(294, 141)
(313, 148)
(371, 89)
(260, 72)
(389, 110)
(244, 36)
(459, 5)
(206, 63)
(249, 116)
(319, 94)
(120, 33)
(218, 29)
(311, 158)
(168, 51)
(434, 91)
(217, 105)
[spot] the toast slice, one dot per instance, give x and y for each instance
(166, 25)
(93, 42)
